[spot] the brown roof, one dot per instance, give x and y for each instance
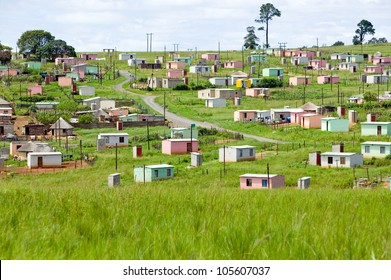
(61, 124)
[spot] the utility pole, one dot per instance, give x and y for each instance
(150, 42)
(147, 42)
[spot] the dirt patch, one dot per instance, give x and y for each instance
(19, 123)
(24, 170)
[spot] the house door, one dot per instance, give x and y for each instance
(379, 130)
(189, 147)
(40, 162)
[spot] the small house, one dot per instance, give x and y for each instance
(65, 81)
(44, 159)
(341, 159)
(117, 112)
(299, 80)
(179, 146)
(237, 153)
(87, 69)
(347, 66)
(283, 114)
(381, 60)
(225, 93)
(175, 65)
(261, 181)
(358, 99)
(371, 149)
(61, 128)
(272, 72)
(317, 63)
(328, 80)
(37, 65)
(46, 105)
(221, 81)
(332, 124)
(31, 147)
(355, 58)
(175, 73)
(299, 60)
(34, 129)
(238, 75)
(65, 60)
(89, 56)
(172, 82)
(126, 56)
(86, 91)
(37, 89)
(258, 92)
(257, 58)
(136, 61)
(149, 173)
(311, 121)
(184, 132)
(210, 56)
(375, 128)
(215, 102)
(233, 64)
(201, 69)
(377, 79)
(14, 146)
(186, 60)
(377, 69)
(113, 139)
(251, 115)
(243, 83)
(338, 56)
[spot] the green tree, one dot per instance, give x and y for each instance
(86, 118)
(32, 40)
(54, 49)
(364, 28)
(250, 41)
(338, 43)
(5, 54)
(266, 14)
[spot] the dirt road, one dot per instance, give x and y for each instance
(182, 121)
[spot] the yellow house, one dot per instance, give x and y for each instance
(243, 83)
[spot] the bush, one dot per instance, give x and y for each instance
(268, 82)
(181, 87)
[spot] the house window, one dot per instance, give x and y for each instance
(251, 152)
(240, 153)
(169, 172)
(122, 139)
(156, 173)
(382, 150)
(107, 140)
(264, 183)
(342, 160)
(330, 160)
(367, 149)
(245, 115)
(249, 182)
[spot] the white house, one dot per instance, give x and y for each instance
(237, 153)
(86, 91)
(136, 61)
(341, 159)
(201, 69)
(215, 102)
(221, 81)
(121, 139)
(44, 159)
(126, 56)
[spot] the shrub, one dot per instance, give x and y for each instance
(181, 87)
(268, 82)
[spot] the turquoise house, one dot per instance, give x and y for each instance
(73, 75)
(186, 60)
(184, 132)
(255, 58)
(355, 58)
(371, 149)
(34, 65)
(335, 124)
(375, 128)
(272, 72)
(149, 173)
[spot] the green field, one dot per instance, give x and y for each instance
(201, 213)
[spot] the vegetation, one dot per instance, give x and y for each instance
(266, 13)
(364, 28)
(250, 41)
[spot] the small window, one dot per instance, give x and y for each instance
(343, 160)
(249, 182)
(169, 172)
(330, 160)
(367, 149)
(240, 153)
(107, 140)
(122, 139)
(382, 150)
(156, 173)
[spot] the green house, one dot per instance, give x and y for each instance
(255, 58)
(371, 149)
(184, 132)
(149, 173)
(376, 128)
(335, 124)
(34, 65)
(186, 60)
(272, 72)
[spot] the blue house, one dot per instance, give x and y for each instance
(186, 60)
(272, 72)
(149, 173)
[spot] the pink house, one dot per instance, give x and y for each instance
(89, 56)
(378, 69)
(318, 63)
(9, 72)
(65, 81)
(311, 121)
(175, 65)
(66, 60)
(81, 73)
(296, 117)
(233, 64)
(210, 56)
(258, 92)
(299, 80)
(261, 181)
(37, 89)
(175, 73)
(179, 146)
(381, 60)
(328, 80)
(309, 54)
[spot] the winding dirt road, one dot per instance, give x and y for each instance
(182, 121)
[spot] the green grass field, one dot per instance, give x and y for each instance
(201, 213)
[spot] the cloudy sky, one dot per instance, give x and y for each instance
(92, 25)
